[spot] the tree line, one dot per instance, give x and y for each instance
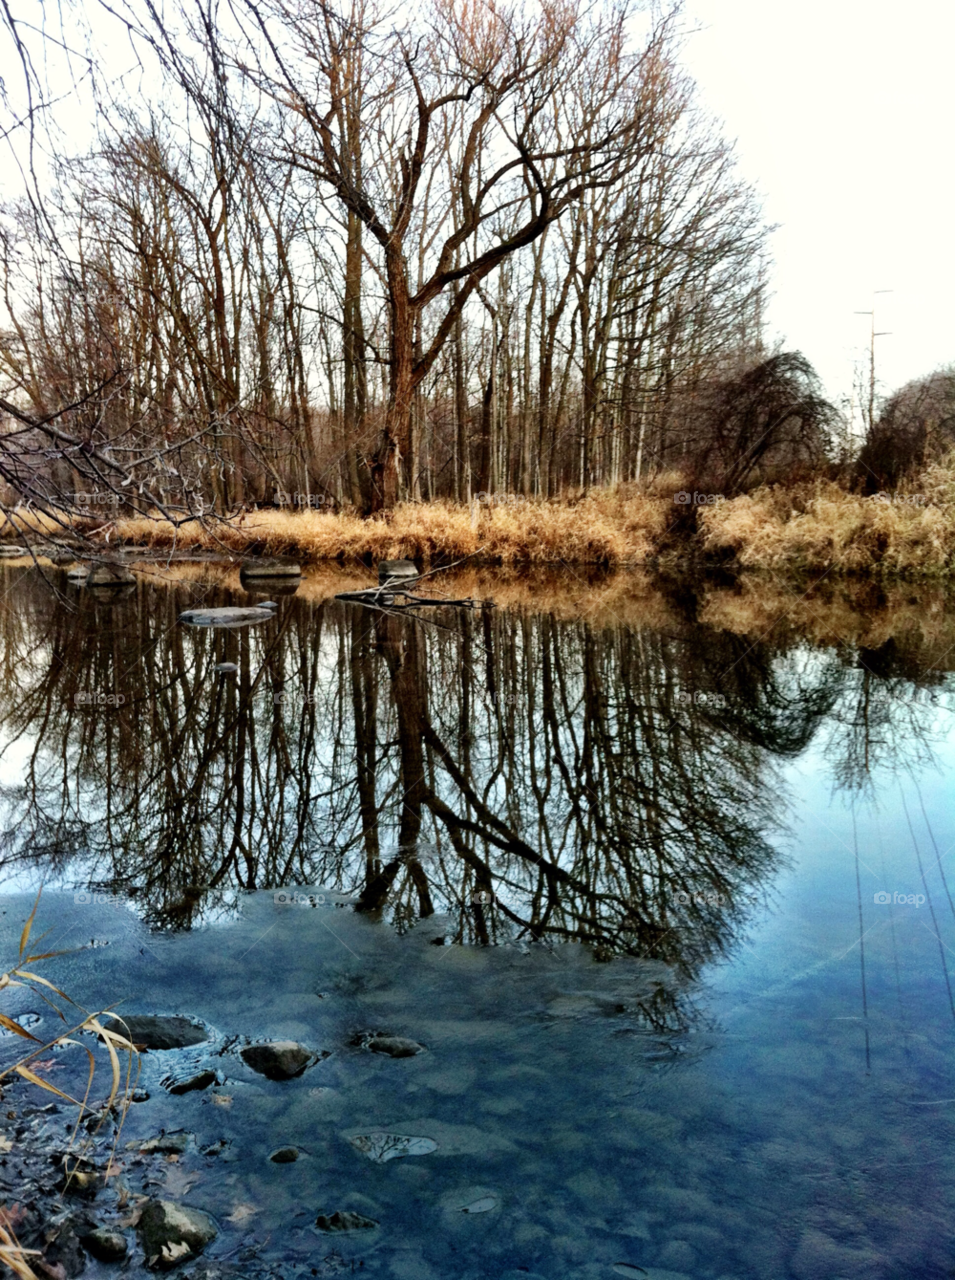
(350, 255)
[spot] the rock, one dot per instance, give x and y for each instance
(166, 1143)
(395, 570)
(270, 569)
(189, 1084)
(105, 1245)
(7, 551)
(382, 1147)
(156, 1032)
(77, 575)
(172, 1233)
(344, 1221)
(284, 1155)
(279, 1059)
(395, 1046)
(225, 617)
(266, 604)
(108, 575)
(227, 668)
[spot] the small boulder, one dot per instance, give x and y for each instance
(172, 1233)
(285, 1155)
(279, 1059)
(108, 575)
(395, 570)
(105, 1245)
(227, 668)
(270, 569)
(344, 1220)
(154, 1032)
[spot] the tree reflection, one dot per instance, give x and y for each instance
(529, 778)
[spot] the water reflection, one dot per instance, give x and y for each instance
(530, 776)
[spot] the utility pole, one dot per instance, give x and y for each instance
(872, 337)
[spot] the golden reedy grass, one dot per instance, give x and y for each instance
(820, 526)
(603, 528)
(807, 526)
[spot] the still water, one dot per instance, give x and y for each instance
(661, 885)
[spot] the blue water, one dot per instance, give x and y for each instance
(783, 1111)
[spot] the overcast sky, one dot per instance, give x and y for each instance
(843, 113)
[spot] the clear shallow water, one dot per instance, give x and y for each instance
(701, 1048)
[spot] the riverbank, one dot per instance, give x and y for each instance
(811, 527)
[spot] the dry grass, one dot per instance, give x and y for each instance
(808, 526)
(17, 521)
(821, 526)
(605, 528)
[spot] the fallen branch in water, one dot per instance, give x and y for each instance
(387, 597)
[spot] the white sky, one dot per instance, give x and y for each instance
(843, 113)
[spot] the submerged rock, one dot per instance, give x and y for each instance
(394, 1046)
(344, 1220)
(166, 1143)
(381, 1147)
(172, 1233)
(157, 1032)
(285, 1155)
(189, 1084)
(279, 1059)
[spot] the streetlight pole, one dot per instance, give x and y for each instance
(873, 335)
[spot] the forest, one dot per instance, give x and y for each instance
(340, 258)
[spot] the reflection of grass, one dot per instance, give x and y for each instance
(22, 974)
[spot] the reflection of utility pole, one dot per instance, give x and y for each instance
(884, 333)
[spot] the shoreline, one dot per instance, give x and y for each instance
(808, 528)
